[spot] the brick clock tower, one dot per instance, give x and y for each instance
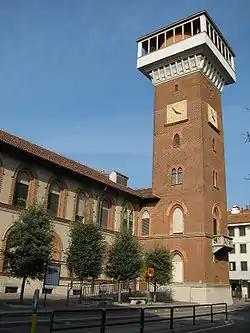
(189, 62)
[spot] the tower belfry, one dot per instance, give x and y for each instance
(189, 62)
(189, 45)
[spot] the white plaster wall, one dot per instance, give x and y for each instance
(237, 257)
(202, 293)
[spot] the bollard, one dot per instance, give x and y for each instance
(33, 323)
(34, 315)
(142, 321)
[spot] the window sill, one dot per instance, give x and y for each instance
(176, 184)
(177, 233)
(216, 187)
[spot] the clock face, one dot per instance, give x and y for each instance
(177, 112)
(212, 116)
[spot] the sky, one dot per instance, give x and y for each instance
(68, 81)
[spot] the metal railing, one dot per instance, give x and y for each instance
(142, 319)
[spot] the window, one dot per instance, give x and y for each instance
(80, 207)
(145, 224)
(21, 189)
(177, 268)
(180, 176)
(231, 232)
(243, 265)
(232, 266)
(53, 199)
(213, 144)
(233, 249)
(177, 221)
(177, 140)
(104, 214)
(174, 177)
(10, 290)
(215, 221)
(128, 219)
(215, 179)
(242, 231)
(243, 248)
(177, 176)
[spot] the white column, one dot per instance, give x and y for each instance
(232, 61)
(139, 49)
(203, 23)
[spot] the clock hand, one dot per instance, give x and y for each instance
(176, 111)
(213, 118)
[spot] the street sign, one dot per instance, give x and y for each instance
(151, 272)
(52, 275)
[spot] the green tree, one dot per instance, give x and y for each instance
(125, 259)
(30, 244)
(161, 260)
(86, 252)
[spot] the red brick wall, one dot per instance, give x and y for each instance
(197, 194)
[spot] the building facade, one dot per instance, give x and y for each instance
(239, 257)
(189, 62)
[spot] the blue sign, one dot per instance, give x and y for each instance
(52, 276)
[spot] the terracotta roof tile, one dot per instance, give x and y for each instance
(147, 193)
(242, 217)
(62, 161)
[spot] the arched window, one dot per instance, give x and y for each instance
(21, 189)
(215, 221)
(128, 218)
(178, 223)
(53, 198)
(180, 176)
(174, 177)
(177, 140)
(104, 214)
(80, 207)
(177, 268)
(145, 224)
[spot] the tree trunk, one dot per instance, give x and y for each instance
(80, 297)
(22, 289)
(120, 292)
(154, 291)
(93, 286)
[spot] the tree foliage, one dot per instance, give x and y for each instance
(161, 260)
(86, 251)
(30, 244)
(125, 258)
